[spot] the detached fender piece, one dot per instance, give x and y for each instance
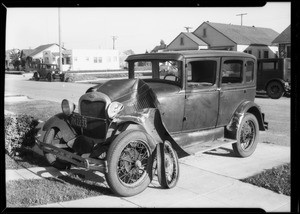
(245, 107)
(150, 120)
(60, 121)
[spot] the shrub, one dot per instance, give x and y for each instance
(19, 133)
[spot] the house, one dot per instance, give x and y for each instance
(38, 53)
(187, 41)
(253, 40)
(283, 41)
(94, 59)
(159, 48)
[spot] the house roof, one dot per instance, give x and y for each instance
(159, 47)
(27, 52)
(246, 35)
(41, 48)
(194, 38)
(284, 37)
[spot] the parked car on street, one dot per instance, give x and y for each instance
(50, 72)
(274, 76)
(132, 129)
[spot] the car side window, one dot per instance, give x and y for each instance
(201, 73)
(232, 71)
(249, 71)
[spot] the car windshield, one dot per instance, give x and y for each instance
(169, 71)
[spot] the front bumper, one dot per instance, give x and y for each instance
(83, 161)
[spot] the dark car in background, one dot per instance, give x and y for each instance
(274, 76)
(49, 72)
(131, 129)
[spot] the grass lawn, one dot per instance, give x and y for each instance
(39, 109)
(25, 193)
(277, 179)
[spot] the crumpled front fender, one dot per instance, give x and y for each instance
(60, 121)
(150, 120)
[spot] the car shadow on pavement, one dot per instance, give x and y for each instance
(221, 151)
(79, 177)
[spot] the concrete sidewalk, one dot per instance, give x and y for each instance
(206, 180)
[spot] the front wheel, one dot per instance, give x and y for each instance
(247, 136)
(129, 163)
(275, 90)
(167, 165)
(53, 136)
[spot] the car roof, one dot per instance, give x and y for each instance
(180, 55)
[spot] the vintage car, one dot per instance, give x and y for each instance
(274, 76)
(133, 129)
(50, 72)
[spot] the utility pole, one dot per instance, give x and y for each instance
(188, 29)
(114, 39)
(59, 36)
(241, 14)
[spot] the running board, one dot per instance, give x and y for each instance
(206, 146)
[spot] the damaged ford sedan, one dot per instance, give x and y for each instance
(173, 104)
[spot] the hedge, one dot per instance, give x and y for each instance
(19, 133)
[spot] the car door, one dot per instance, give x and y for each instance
(202, 95)
(235, 88)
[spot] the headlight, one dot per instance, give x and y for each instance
(67, 107)
(53, 72)
(113, 109)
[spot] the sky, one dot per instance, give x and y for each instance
(138, 29)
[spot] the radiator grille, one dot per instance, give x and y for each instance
(92, 109)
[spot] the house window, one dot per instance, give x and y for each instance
(232, 71)
(266, 54)
(109, 59)
(115, 58)
(249, 71)
(259, 54)
(68, 60)
(204, 32)
(99, 59)
(249, 51)
(87, 58)
(181, 41)
(95, 59)
(75, 58)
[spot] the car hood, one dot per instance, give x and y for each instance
(134, 94)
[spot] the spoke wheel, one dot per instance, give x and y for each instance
(167, 165)
(247, 136)
(129, 163)
(275, 90)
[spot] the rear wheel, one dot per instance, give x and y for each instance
(247, 136)
(53, 136)
(275, 90)
(129, 163)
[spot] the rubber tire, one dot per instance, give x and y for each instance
(49, 77)
(272, 94)
(237, 146)
(51, 158)
(161, 171)
(35, 76)
(113, 155)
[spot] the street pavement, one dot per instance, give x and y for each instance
(207, 180)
